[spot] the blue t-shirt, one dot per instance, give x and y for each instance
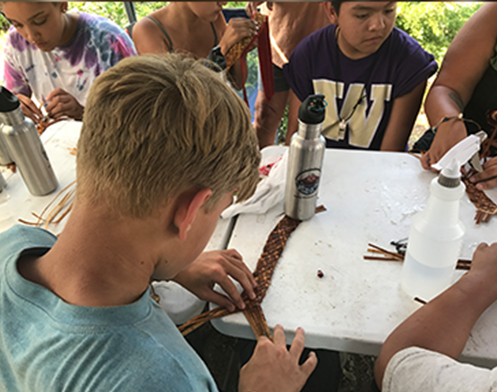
(47, 344)
(363, 90)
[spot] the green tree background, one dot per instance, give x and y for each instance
(433, 24)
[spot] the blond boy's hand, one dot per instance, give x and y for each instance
(273, 368)
(217, 267)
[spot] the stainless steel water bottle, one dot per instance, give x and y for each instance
(5, 158)
(305, 160)
(25, 147)
(3, 184)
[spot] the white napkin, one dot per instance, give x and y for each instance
(179, 303)
(270, 191)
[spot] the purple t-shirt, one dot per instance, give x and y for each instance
(362, 91)
(97, 44)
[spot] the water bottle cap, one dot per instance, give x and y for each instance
(312, 110)
(8, 101)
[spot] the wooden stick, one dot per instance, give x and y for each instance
(53, 200)
(64, 214)
(27, 223)
(380, 258)
(393, 254)
(415, 155)
(462, 264)
(420, 300)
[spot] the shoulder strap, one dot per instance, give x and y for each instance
(216, 38)
(171, 49)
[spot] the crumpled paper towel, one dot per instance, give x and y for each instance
(179, 303)
(270, 191)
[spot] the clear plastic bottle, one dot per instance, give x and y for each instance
(435, 238)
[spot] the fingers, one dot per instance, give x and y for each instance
(29, 108)
(425, 161)
(223, 265)
(298, 343)
(220, 300)
(296, 350)
(241, 28)
(57, 105)
(61, 104)
(236, 268)
(227, 285)
(481, 247)
(279, 336)
(55, 93)
(309, 365)
(488, 178)
(243, 274)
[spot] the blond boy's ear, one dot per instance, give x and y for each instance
(330, 12)
(187, 208)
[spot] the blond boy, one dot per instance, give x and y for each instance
(164, 146)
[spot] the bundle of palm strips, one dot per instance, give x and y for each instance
(263, 273)
(56, 210)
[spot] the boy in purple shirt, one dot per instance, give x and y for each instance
(372, 74)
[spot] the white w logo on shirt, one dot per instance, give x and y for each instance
(362, 128)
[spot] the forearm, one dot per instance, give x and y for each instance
(443, 325)
(236, 76)
(293, 113)
(405, 110)
(442, 102)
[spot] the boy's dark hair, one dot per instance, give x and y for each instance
(336, 6)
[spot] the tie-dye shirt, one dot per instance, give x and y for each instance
(97, 44)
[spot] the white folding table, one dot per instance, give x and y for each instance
(370, 197)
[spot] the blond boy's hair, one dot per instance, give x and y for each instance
(155, 126)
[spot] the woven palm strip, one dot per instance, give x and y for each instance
(486, 208)
(237, 49)
(263, 273)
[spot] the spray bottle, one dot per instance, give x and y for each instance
(436, 233)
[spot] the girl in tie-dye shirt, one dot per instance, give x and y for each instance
(56, 56)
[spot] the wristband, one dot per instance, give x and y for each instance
(217, 57)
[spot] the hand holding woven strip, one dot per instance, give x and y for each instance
(486, 208)
(263, 274)
(237, 49)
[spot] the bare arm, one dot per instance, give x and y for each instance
(293, 116)
(464, 65)
(402, 119)
(443, 325)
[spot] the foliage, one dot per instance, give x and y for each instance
(115, 10)
(434, 24)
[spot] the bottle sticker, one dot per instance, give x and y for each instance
(307, 182)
